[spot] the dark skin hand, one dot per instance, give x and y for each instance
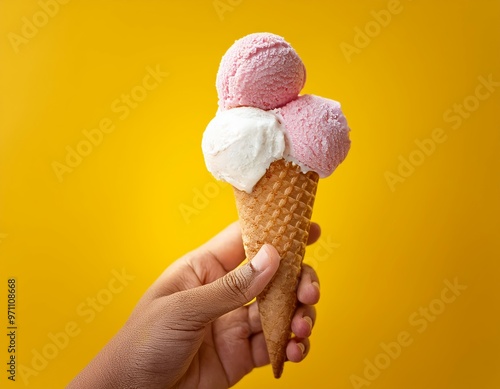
(192, 329)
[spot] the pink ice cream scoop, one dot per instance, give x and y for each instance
(317, 132)
(260, 70)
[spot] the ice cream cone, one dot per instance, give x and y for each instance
(278, 211)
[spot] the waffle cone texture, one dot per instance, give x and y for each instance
(278, 212)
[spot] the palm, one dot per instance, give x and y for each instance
(225, 355)
(232, 345)
(219, 354)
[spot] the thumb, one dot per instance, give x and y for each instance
(208, 302)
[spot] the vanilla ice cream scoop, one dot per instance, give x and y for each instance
(239, 145)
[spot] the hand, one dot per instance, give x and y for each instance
(192, 330)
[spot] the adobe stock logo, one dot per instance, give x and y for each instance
(419, 322)
(223, 6)
(363, 37)
(321, 252)
(31, 26)
(455, 116)
(57, 341)
(201, 199)
(123, 106)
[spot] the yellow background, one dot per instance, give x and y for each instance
(384, 253)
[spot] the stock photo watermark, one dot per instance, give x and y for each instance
(31, 26)
(321, 253)
(455, 116)
(380, 20)
(419, 321)
(201, 200)
(87, 311)
(122, 107)
(223, 6)
(11, 328)
(3, 237)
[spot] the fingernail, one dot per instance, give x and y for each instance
(309, 321)
(261, 260)
(316, 284)
(302, 348)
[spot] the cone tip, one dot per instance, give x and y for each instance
(278, 369)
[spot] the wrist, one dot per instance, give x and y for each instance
(105, 371)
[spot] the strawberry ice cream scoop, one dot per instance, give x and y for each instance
(260, 70)
(317, 133)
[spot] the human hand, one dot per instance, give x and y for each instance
(192, 330)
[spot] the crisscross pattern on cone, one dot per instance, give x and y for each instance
(278, 212)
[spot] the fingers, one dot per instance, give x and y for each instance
(254, 318)
(308, 289)
(314, 233)
(303, 321)
(227, 247)
(297, 349)
(206, 303)
(305, 315)
(258, 346)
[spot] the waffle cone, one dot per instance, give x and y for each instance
(278, 212)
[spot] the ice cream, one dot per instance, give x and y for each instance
(317, 132)
(240, 144)
(260, 70)
(273, 145)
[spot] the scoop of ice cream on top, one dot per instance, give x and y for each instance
(317, 133)
(241, 143)
(260, 70)
(262, 119)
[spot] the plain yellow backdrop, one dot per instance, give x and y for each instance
(412, 210)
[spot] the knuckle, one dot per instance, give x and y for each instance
(242, 331)
(311, 312)
(237, 285)
(184, 312)
(307, 269)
